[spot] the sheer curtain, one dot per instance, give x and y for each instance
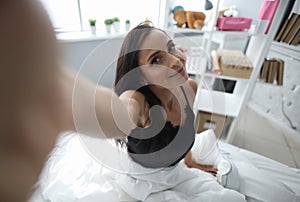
(73, 15)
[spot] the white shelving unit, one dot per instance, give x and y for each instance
(221, 103)
(257, 50)
(232, 104)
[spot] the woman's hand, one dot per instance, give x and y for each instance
(192, 164)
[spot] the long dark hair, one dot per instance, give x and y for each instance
(128, 59)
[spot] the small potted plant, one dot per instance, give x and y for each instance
(148, 22)
(127, 25)
(108, 23)
(92, 23)
(116, 24)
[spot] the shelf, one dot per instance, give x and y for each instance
(273, 85)
(286, 46)
(205, 29)
(218, 102)
(212, 77)
(183, 30)
(225, 77)
(286, 49)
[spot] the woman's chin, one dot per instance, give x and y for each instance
(179, 82)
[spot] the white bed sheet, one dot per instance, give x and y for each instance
(71, 174)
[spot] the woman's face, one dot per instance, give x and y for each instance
(161, 62)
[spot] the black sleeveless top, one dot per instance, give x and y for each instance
(161, 144)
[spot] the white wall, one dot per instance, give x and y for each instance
(96, 59)
(282, 102)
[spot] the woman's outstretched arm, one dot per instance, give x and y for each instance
(37, 101)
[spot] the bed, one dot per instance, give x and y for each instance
(73, 173)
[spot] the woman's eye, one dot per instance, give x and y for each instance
(155, 60)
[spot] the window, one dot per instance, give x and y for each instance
(64, 14)
(191, 5)
(73, 15)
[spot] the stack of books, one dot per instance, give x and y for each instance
(272, 71)
(290, 31)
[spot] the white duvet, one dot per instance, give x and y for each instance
(71, 174)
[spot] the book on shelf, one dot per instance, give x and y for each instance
(264, 70)
(295, 41)
(279, 35)
(285, 16)
(292, 27)
(280, 69)
(270, 76)
(272, 70)
(294, 30)
(289, 26)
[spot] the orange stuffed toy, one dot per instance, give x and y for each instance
(191, 19)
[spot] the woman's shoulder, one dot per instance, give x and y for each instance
(193, 84)
(133, 95)
(137, 106)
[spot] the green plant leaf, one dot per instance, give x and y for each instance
(108, 21)
(92, 22)
(116, 19)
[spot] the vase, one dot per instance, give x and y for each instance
(108, 29)
(127, 27)
(116, 27)
(93, 30)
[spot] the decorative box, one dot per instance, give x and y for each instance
(234, 63)
(233, 23)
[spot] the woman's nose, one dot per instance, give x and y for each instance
(174, 60)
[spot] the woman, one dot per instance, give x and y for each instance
(151, 72)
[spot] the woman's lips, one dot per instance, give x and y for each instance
(180, 71)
